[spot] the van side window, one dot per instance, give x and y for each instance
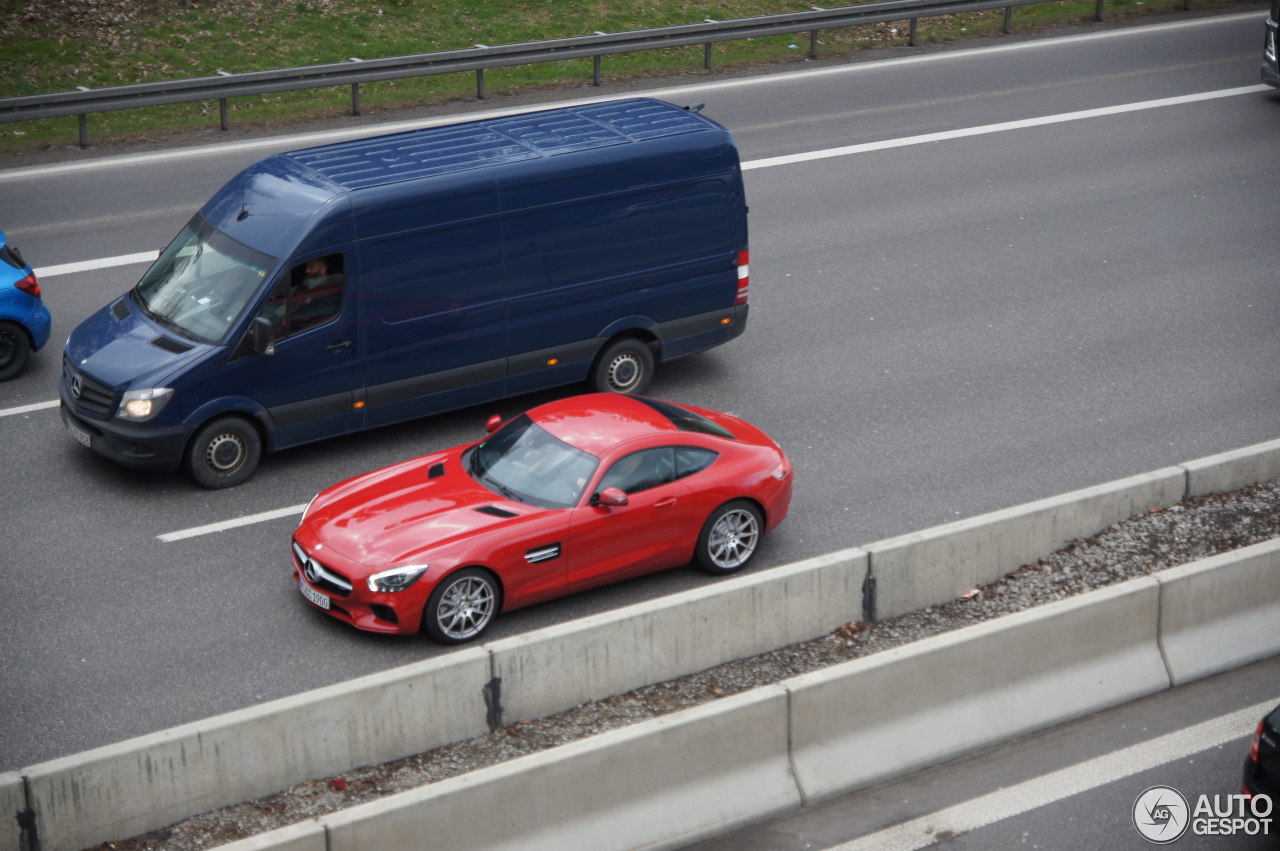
(309, 295)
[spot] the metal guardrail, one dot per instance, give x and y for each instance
(84, 101)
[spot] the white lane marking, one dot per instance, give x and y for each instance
(672, 92)
(223, 526)
(1059, 785)
(26, 409)
(91, 265)
(1002, 127)
(789, 159)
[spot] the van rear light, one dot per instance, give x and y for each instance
(29, 286)
(744, 277)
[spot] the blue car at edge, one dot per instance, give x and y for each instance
(24, 319)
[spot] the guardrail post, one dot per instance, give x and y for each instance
(355, 91)
(911, 33)
(706, 49)
(1097, 11)
(595, 64)
(480, 79)
(813, 36)
(222, 106)
(82, 122)
(1008, 19)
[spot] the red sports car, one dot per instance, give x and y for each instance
(570, 495)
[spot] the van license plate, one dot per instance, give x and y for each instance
(314, 596)
(81, 436)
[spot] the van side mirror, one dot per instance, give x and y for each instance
(492, 424)
(264, 342)
(610, 497)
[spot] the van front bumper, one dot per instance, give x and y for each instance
(135, 445)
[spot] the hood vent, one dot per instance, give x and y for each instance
(121, 308)
(170, 345)
(495, 511)
(435, 471)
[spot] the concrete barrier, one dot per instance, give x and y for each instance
(13, 802)
(562, 666)
(122, 790)
(876, 718)
(936, 565)
(304, 836)
(662, 783)
(1230, 471)
(1221, 612)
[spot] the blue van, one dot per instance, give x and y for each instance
(339, 288)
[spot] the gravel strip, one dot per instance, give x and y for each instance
(1194, 529)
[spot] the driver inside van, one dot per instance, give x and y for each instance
(310, 295)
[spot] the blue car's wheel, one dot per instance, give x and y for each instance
(14, 349)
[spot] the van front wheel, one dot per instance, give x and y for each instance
(625, 366)
(224, 453)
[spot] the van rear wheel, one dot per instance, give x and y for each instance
(625, 366)
(224, 453)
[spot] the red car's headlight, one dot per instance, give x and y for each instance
(397, 578)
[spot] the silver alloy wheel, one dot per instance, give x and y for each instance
(225, 453)
(733, 538)
(625, 372)
(465, 608)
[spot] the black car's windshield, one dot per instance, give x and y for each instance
(202, 282)
(524, 462)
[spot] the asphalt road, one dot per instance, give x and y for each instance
(941, 326)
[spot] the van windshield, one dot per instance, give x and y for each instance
(202, 282)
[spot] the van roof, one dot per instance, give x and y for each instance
(457, 147)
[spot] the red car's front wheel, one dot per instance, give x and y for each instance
(462, 606)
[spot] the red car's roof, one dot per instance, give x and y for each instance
(597, 421)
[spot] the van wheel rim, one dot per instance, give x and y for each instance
(624, 372)
(225, 454)
(733, 539)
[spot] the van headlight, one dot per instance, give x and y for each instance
(397, 578)
(142, 405)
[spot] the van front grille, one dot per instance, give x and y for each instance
(88, 394)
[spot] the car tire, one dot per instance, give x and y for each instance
(14, 350)
(462, 606)
(625, 366)
(224, 453)
(730, 537)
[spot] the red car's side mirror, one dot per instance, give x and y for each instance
(491, 426)
(610, 497)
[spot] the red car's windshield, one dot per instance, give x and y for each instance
(523, 462)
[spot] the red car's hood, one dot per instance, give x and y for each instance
(401, 513)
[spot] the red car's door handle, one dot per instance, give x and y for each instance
(665, 503)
